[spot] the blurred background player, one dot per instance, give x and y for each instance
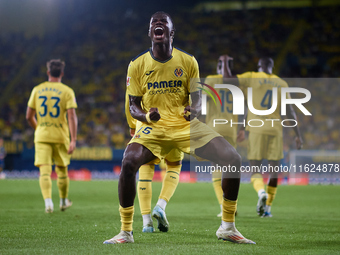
(2, 158)
(172, 165)
(224, 111)
(52, 101)
(265, 142)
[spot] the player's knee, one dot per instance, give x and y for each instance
(61, 171)
(235, 159)
(129, 166)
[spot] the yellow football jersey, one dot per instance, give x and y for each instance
(51, 101)
(224, 111)
(262, 85)
(163, 84)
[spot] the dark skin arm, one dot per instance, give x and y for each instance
(190, 112)
(225, 61)
(241, 135)
(138, 113)
(292, 115)
(225, 70)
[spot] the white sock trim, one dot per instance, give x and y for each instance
(227, 225)
(162, 203)
(260, 192)
(63, 201)
(48, 202)
(147, 219)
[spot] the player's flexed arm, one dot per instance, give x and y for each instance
(138, 113)
(195, 109)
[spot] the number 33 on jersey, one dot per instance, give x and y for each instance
(51, 100)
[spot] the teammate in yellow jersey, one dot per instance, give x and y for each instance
(173, 165)
(265, 142)
(159, 82)
(54, 104)
(222, 112)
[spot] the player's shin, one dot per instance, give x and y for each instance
(144, 190)
(230, 186)
(169, 185)
(258, 184)
(228, 213)
(126, 217)
(271, 195)
(63, 181)
(45, 181)
(216, 180)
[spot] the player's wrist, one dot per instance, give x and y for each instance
(147, 117)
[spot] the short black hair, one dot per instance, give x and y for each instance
(55, 67)
(168, 15)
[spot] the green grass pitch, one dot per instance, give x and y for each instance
(306, 221)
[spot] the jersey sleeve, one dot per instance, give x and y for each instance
(133, 88)
(31, 101)
(244, 79)
(130, 120)
(71, 101)
(194, 75)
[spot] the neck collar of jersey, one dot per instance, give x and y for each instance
(150, 50)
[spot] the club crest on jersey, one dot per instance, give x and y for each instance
(178, 72)
(128, 81)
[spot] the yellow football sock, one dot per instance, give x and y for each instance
(218, 189)
(162, 167)
(271, 194)
(144, 188)
(170, 181)
(229, 209)
(63, 181)
(126, 217)
(45, 181)
(257, 181)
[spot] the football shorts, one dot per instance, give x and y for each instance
(160, 140)
(51, 153)
(262, 146)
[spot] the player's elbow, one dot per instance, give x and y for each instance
(71, 114)
(29, 118)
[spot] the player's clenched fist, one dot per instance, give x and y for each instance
(153, 115)
(190, 113)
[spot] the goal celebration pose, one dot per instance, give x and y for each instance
(159, 82)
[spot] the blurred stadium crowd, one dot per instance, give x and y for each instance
(97, 48)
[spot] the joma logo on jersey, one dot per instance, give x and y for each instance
(238, 100)
(164, 84)
(178, 72)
